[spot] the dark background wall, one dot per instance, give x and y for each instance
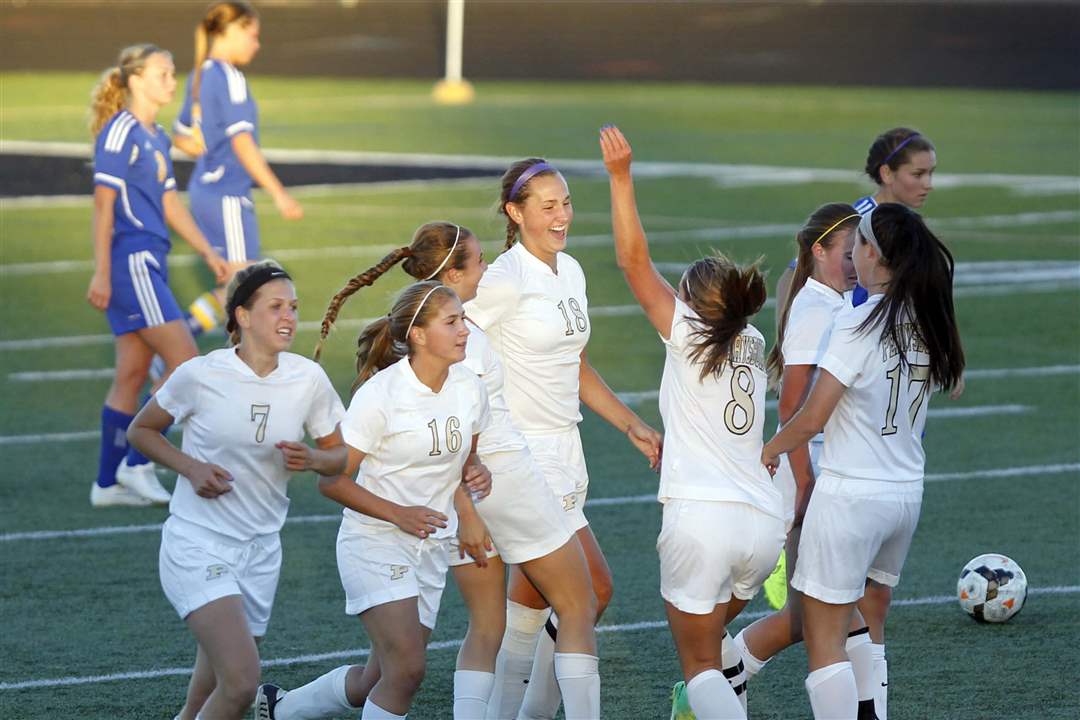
(977, 44)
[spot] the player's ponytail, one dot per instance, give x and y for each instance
(821, 228)
(725, 296)
(386, 340)
(218, 17)
(111, 93)
(894, 148)
(918, 296)
(517, 192)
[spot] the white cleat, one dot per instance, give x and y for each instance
(115, 495)
(142, 480)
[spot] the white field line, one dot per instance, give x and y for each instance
(445, 645)
(991, 473)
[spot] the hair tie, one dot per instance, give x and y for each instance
(528, 175)
(417, 311)
(899, 147)
(833, 227)
(457, 236)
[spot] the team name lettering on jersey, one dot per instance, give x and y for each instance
(748, 350)
(910, 338)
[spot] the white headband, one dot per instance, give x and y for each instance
(866, 229)
(457, 236)
(418, 308)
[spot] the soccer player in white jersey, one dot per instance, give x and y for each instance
(883, 360)
(218, 125)
(245, 410)
(532, 304)
(723, 523)
(525, 521)
(135, 201)
(823, 277)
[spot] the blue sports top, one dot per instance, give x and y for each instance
(227, 110)
(135, 162)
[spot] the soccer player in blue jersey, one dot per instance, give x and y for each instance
(134, 198)
(219, 125)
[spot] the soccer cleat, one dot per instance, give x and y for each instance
(142, 480)
(776, 584)
(115, 495)
(266, 699)
(680, 703)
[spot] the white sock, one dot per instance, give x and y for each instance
(542, 696)
(322, 697)
(472, 688)
(734, 668)
(881, 681)
(578, 675)
(832, 692)
(859, 652)
(374, 712)
(750, 663)
(711, 697)
(515, 659)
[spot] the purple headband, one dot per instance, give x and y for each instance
(900, 147)
(528, 175)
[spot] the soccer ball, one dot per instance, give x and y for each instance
(992, 588)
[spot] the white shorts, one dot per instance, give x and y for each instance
(521, 514)
(853, 530)
(785, 481)
(384, 566)
(198, 566)
(562, 462)
(712, 550)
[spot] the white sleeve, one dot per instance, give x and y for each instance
(325, 411)
(179, 396)
(806, 339)
(483, 408)
(681, 326)
(496, 297)
(366, 419)
(848, 352)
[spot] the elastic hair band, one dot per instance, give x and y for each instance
(526, 176)
(251, 283)
(866, 229)
(418, 308)
(900, 147)
(833, 227)
(457, 236)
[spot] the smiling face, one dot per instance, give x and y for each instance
(911, 182)
(443, 337)
(156, 84)
(270, 323)
(544, 216)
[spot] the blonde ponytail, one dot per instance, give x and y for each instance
(111, 93)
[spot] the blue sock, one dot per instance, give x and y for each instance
(134, 457)
(114, 444)
(194, 325)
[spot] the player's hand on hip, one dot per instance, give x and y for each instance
(210, 480)
(770, 460)
(477, 479)
(419, 520)
(100, 291)
(616, 150)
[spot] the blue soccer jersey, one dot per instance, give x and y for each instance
(862, 206)
(135, 162)
(226, 109)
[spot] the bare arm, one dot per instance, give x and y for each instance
(328, 458)
(251, 157)
(180, 220)
(100, 290)
(807, 422)
(599, 398)
(794, 389)
(473, 537)
(653, 292)
(144, 433)
(188, 145)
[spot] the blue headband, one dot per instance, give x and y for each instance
(528, 175)
(899, 147)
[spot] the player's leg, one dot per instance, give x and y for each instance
(484, 591)
(221, 629)
(698, 640)
(398, 640)
(831, 681)
(200, 686)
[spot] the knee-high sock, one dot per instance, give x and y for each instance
(322, 697)
(862, 664)
(734, 669)
(114, 444)
(134, 457)
(578, 675)
(472, 688)
(881, 684)
(712, 698)
(832, 692)
(542, 696)
(374, 712)
(751, 664)
(515, 659)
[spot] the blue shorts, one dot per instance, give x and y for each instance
(228, 222)
(141, 297)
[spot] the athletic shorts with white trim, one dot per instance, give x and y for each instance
(853, 530)
(141, 296)
(228, 222)
(198, 566)
(383, 566)
(710, 550)
(562, 462)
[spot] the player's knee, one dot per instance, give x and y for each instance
(406, 671)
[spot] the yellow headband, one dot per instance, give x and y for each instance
(833, 227)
